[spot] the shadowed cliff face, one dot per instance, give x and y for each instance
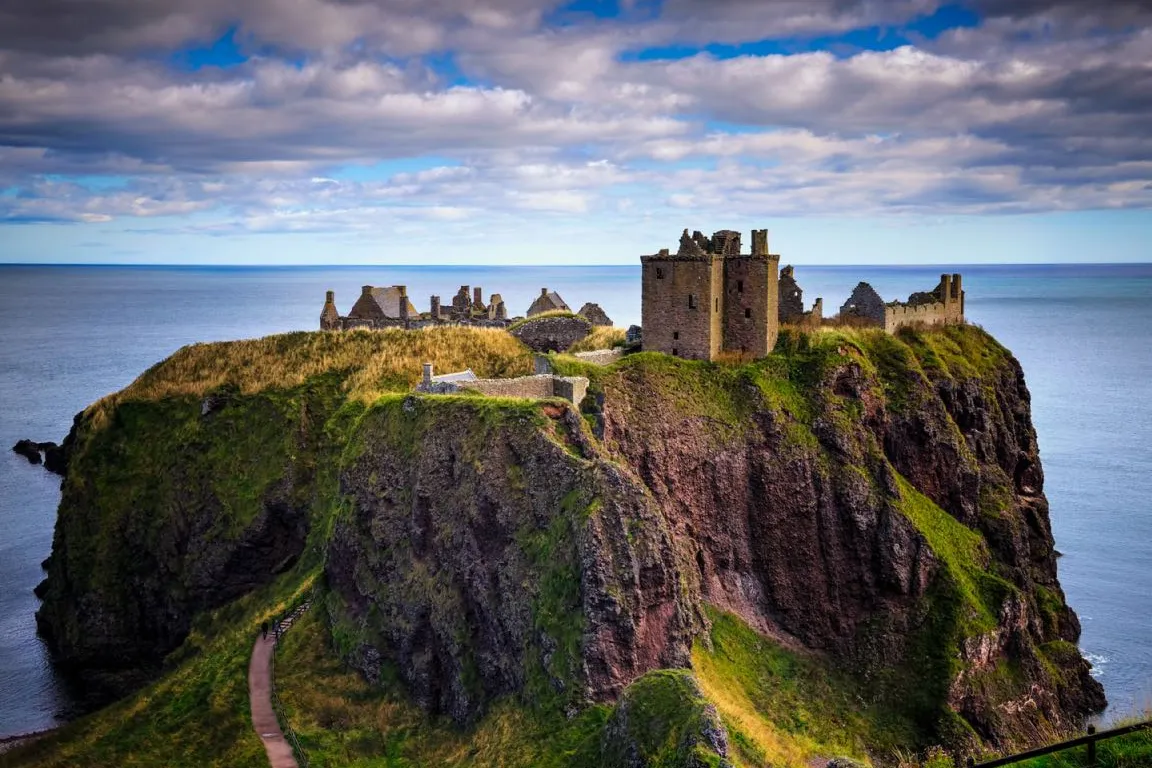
(168, 511)
(489, 552)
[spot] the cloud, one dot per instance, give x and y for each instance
(399, 27)
(1042, 106)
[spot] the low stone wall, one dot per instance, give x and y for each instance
(524, 386)
(601, 356)
(538, 387)
(936, 313)
(571, 388)
(552, 334)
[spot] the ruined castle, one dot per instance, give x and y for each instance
(943, 305)
(390, 307)
(709, 298)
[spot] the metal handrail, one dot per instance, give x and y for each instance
(277, 705)
(281, 716)
(1090, 740)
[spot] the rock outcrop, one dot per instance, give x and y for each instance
(166, 513)
(874, 500)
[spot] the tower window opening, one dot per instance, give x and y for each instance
(675, 335)
(747, 312)
(673, 351)
(691, 301)
(739, 286)
(717, 308)
(659, 273)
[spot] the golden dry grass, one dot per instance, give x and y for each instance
(370, 362)
(601, 337)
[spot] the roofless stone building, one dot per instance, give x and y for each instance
(709, 298)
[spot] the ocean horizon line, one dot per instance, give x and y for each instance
(853, 265)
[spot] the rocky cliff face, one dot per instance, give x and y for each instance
(875, 502)
(170, 509)
(814, 508)
(493, 551)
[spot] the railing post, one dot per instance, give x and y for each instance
(1092, 747)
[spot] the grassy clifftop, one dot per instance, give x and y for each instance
(831, 551)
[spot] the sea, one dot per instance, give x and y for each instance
(71, 334)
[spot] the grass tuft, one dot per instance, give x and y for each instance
(368, 362)
(601, 337)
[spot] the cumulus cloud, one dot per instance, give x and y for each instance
(1045, 105)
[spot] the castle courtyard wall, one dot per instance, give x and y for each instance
(601, 356)
(540, 386)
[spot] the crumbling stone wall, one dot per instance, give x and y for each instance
(537, 387)
(791, 296)
(594, 314)
(552, 334)
(944, 305)
(329, 316)
(571, 388)
(864, 303)
(601, 356)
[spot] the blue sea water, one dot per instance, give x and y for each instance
(69, 335)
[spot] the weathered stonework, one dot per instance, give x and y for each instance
(864, 303)
(594, 314)
(942, 306)
(538, 386)
(552, 334)
(601, 356)
(329, 316)
(547, 301)
(791, 296)
(382, 303)
(709, 297)
(391, 308)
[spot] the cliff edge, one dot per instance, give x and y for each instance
(853, 527)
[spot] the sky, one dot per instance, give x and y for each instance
(587, 132)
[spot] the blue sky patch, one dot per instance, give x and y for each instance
(843, 45)
(223, 52)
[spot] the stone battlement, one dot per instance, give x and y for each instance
(944, 305)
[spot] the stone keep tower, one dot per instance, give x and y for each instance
(709, 297)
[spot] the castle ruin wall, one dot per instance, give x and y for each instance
(601, 356)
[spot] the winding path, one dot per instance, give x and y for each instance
(260, 697)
